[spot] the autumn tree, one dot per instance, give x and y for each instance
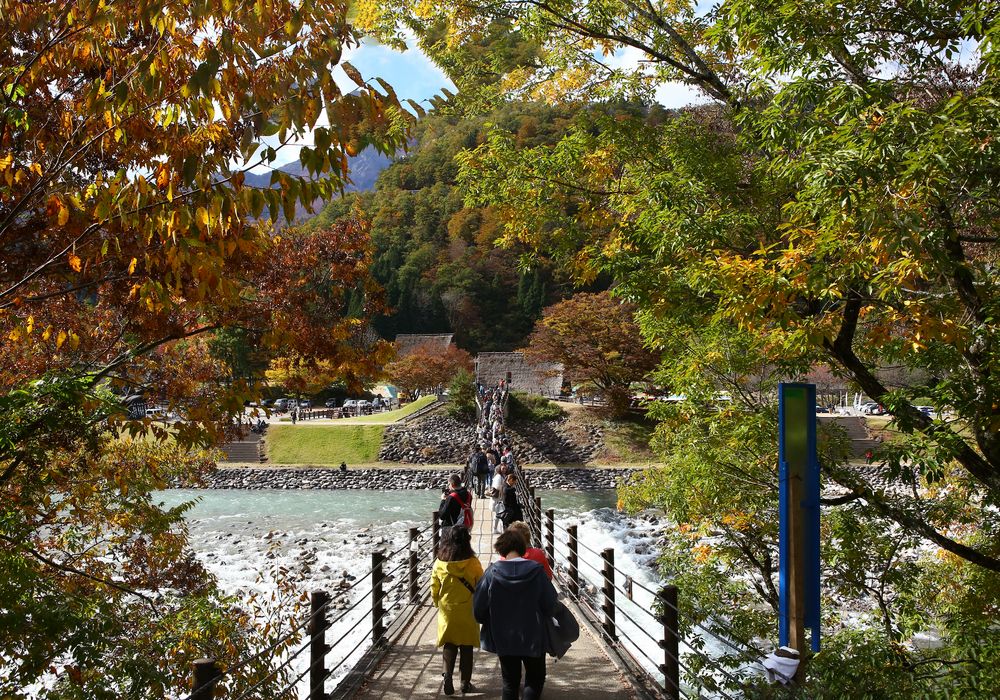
(427, 367)
(127, 233)
(597, 341)
(300, 376)
(835, 198)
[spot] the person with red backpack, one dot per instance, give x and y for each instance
(456, 504)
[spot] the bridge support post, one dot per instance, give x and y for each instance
(670, 643)
(414, 594)
(550, 537)
(574, 571)
(608, 555)
(435, 531)
(205, 676)
(317, 644)
(378, 611)
(537, 517)
(531, 511)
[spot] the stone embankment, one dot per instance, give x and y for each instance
(396, 479)
(441, 439)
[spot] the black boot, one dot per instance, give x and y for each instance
(449, 686)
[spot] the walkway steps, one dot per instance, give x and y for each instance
(856, 430)
(412, 669)
(244, 451)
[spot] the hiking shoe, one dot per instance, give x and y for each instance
(467, 687)
(449, 687)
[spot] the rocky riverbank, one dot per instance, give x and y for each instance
(396, 479)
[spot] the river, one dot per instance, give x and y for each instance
(325, 538)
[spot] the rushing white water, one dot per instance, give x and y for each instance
(325, 539)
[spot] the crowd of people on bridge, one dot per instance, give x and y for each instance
(509, 609)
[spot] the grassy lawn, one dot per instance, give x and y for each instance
(323, 444)
(398, 414)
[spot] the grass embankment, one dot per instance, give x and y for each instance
(397, 415)
(626, 439)
(323, 444)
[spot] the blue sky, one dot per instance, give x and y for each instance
(413, 76)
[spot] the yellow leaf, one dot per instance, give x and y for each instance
(74, 262)
(60, 339)
(131, 266)
(201, 217)
(47, 333)
(63, 214)
(31, 324)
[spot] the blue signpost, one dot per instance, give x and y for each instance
(798, 494)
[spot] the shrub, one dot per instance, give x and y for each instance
(533, 408)
(462, 393)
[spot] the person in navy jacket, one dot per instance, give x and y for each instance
(512, 602)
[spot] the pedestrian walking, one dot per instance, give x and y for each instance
(453, 583)
(511, 507)
(456, 504)
(482, 470)
(512, 602)
(531, 553)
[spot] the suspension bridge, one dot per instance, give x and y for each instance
(631, 643)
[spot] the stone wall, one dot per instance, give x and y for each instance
(394, 479)
(534, 378)
(440, 439)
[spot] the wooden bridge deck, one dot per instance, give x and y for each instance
(413, 667)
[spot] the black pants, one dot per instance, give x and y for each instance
(464, 663)
(534, 676)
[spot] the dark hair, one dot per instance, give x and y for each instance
(510, 541)
(455, 480)
(455, 544)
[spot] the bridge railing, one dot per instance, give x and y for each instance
(641, 626)
(399, 578)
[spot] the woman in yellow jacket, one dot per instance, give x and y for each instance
(453, 581)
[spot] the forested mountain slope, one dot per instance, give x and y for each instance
(435, 257)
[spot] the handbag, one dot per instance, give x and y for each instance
(561, 630)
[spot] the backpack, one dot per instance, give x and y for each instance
(467, 513)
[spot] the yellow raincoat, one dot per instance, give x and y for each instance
(453, 599)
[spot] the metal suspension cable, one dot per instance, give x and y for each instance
(356, 647)
(635, 581)
(342, 637)
(302, 675)
(349, 608)
(715, 664)
(638, 625)
(746, 652)
(275, 670)
(267, 650)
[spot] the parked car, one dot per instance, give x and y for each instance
(926, 410)
(267, 403)
(305, 403)
(330, 403)
(284, 404)
(872, 409)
